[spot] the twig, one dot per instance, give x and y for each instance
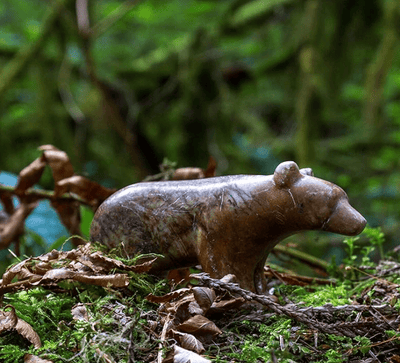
(37, 194)
(306, 315)
(304, 257)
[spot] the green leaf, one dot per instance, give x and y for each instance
(86, 219)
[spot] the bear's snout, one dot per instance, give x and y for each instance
(345, 220)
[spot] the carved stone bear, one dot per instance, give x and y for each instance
(228, 224)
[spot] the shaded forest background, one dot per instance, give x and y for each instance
(121, 85)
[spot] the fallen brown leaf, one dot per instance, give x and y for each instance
(204, 297)
(199, 325)
(24, 329)
(168, 297)
(188, 341)
(116, 280)
(13, 271)
(225, 305)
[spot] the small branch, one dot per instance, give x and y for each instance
(312, 261)
(306, 315)
(36, 194)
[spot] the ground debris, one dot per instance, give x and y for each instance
(83, 264)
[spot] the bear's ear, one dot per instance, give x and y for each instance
(307, 171)
(286, 174)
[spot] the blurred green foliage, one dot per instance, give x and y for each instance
(250, 82)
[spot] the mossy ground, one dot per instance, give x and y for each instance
(122, 326)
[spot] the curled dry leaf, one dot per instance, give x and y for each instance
(90, 191)
(52, 255)
(13, 227)
(204, 297)
(41, 268)
(31, 174)
(225, 305)
(142, 267)
(30, 358)
(180, 355)
(188, 341)
(61, 168)
(10, 321)
(24, 329)
(56, 274)
(168, 297)
(199, 325)
(58, 161)
(25, 274)
(13, 271)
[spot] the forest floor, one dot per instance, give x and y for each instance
(83, 306)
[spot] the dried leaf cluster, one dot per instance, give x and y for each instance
(81, 264)
(70, 191)
(184, 318)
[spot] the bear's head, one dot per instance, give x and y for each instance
(316, 203)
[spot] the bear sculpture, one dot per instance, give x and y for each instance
(228, 224)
